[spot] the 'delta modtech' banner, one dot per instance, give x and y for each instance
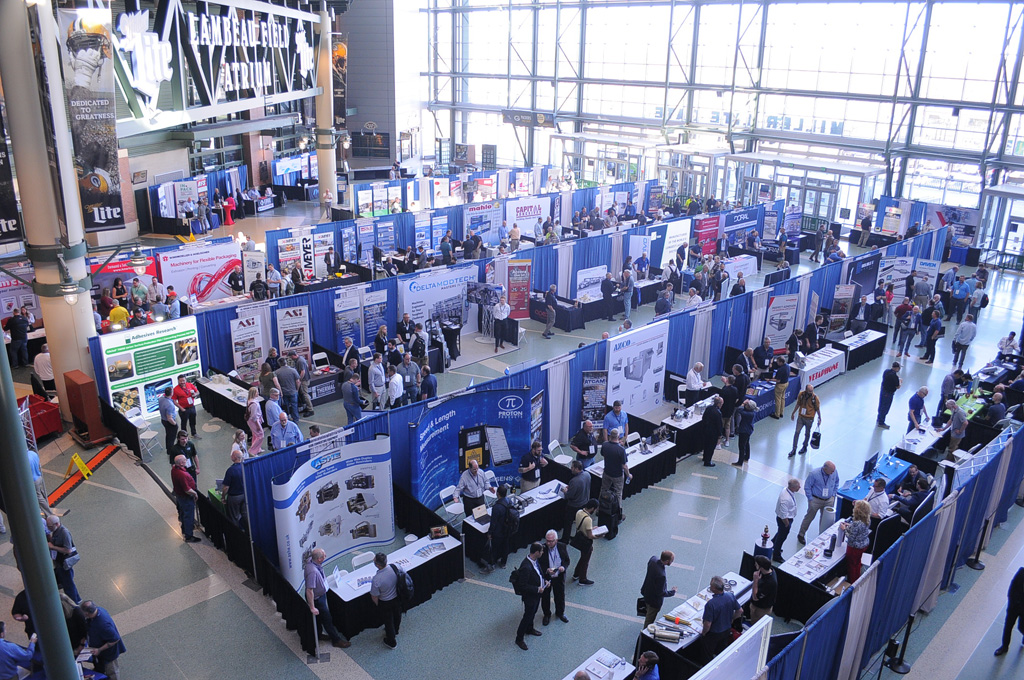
(89, 85)
(491, 427)
(337, 501)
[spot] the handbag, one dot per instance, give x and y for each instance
(579, 540)
(72, 559)
(816, 438)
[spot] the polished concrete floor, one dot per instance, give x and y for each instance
(185, 612)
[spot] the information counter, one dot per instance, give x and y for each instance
(432, 564)
(741, 264)
(688, 429)
(544, 511)
(325, 386)
(861, 348)
(604, 665)
(889, 467)
(568, 316)
(684, 658)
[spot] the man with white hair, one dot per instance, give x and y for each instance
(184, 487)
(284, 432)
(693, 300)
(63, 547)
(553, 563)
(316, 598)
(957, 425)
(694, 383)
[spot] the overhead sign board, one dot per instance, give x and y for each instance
(528, 118)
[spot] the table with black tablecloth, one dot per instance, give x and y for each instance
(544, 513)
(325, 387)
(861, 348)
(647, 469)
(328, 282)
(221, 401)
(597, 308)
(433, 564)
(568, 317)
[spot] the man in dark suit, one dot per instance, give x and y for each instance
(608, 288)
(531, 586)
(909, 483)
(1014, 610)
(654, 590)
(554, 563)
(712, 420)
(907, 505)
(332, 261)
(350, 352)
(406, 328)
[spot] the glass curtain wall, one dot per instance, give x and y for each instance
(932, 90)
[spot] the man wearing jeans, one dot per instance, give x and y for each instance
(184, 487)
(384, 591)
(820, 486)
(168, 419)
(551, 307)
(808, 406)
(316, 598)
(626, 287)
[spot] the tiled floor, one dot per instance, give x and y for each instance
(186, 612)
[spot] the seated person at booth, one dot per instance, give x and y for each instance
(878, 499)
(753, 240)
(997, 410)
(909, 483)
(646, 667)
(908, 502)
(252, 194)
(389, 266)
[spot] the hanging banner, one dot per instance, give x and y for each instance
(375, 307)
(253, 262)
(595, 395)
(338, 501)
(707, 234)
(89, 85)
(491, 427)
(537, 417)
(293, 330)
(655, 196)
(519, 288)
(142, 361)
(200, 273)
(780, 321)
(246, 347)
(10, 219)
(339, 74)
(348, 317)
(636, 367)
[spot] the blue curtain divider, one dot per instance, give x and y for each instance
(985, 482)
(721, 316)
(1014, 477)
(260, 473)
(826, 637)
(786, 664)
(680, 331)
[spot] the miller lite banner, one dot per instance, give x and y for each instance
(10, 220)
(89, 85)
(339, 70)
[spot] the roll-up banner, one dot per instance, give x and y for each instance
(655, 197)
(200, 273)
(438, 227)
(321, 242)
(348, 316)
(792, 222)
(707, 234)
(293, 330)
(253, 262)
(142, 361)
(10, 220)
(519, 288)
(781, 319)
(337, 501)
(375, 305)
(246, 347)
(491, 427)
(89, 85)
(595, 394)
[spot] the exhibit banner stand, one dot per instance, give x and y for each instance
(337, 501)
(842, 302)
(595, 395)
(780, 321)
(519, 288)
(636, 368)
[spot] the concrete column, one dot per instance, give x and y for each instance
(327, 163)
(68, 328)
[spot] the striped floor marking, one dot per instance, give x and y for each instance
(574, 605)
(687, 540)
(689, 516)
(686, 493)
(698, 474)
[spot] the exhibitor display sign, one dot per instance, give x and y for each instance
(204, 54)
(85, 47)
(483, 219)
(780, 321)
(526, 211)
(253, 262)
(247, 347)
(293, 330)
(491, 427)
(337, 501)
(519, 288)
(10, 218)
(439, 297)
(142, 361)
(707, 234)
(595, 394)
(636, 368)
(200, 272)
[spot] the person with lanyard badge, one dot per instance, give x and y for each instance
(184, 397)
(616, 419)
(878, 499)
(472, 486)
(350, 398)
(428, 384)
(785, 513)
(642, 266)
(583, 444)
(961, 291)
(1008, 345)
(273, 280)
(934, 330)
(500, 313)
(719, 613)
(530, 465)
(821, 487)
(957, 425)
(551, 308)
(503, 233)
(553, 563)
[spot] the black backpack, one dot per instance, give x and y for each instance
(511, 520)
(513, 578)
(419, 348)
(405, 586)
(984, 300)
(259, 290)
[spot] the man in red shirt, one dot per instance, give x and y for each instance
(902, 309)
(184, 396)
(185, 496)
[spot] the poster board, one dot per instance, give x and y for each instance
(655, 197)
(439, 296)
(293, 330)
(595, 395)
(707, 233)
(142, 361)
(894, 270)
(483, 219)
(677, 235)
(519, 288)
(438, 228)
(199, 273)
(770, 226)
(842, 302)
(338, 501)
(526, 211)
(792, 222)
(375, 304)
(780, 321)
(639, 245)
(636, 367)
(928, 270)
(491, 426)
(963, 221)
(421, 230)
(588, 283)
(537, 417)
(321, 242)
(253, 262)
(247, 347)
(348, 316)
(864, 271)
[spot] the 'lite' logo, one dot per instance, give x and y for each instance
(101, 215)
(8, 226)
